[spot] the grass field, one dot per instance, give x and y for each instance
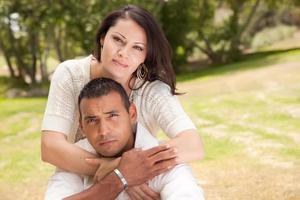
(247, 113)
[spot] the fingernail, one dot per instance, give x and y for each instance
(175, 150)
(167, 145)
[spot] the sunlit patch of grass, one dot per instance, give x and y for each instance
(218, 149)
(290, 152)
(20, 139)
(249, 62)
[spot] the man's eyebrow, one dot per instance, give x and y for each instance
(90, 117)
(110, 112)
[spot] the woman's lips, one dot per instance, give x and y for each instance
(120, 63)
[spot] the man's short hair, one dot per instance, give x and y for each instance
(100, 87)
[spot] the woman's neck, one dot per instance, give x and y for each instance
(97, 71)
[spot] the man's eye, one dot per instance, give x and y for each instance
(92, 121)
(112, 115)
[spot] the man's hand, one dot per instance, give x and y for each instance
(139, 166)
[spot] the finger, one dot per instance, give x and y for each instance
(164, 155)
(141, 194)
(164, 166)
(93, 161)
(95, 179)
(157, 149)
(148, 191)
(100, 176)
(133, 194)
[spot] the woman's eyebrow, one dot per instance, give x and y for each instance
(126, 38)
(121, 35)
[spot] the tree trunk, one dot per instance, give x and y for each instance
(57, 43)
(33, 44)
(7, 58)
(43, 64)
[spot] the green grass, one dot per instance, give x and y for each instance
(234, 100)
(19, 139)
(248, 62)
(219, 149)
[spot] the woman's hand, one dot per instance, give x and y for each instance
(142, 191)
(105, 166)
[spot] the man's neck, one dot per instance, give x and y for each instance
(130, 143)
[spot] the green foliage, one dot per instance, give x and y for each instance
(32, 31)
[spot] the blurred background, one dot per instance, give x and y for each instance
(237, 61)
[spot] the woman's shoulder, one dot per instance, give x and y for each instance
(153, 90)
(76, 68)
(74, 64)
(157, 87)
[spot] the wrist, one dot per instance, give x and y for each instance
(121, 178)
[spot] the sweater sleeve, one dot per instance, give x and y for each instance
(166, 110)
(177, 184)
(60, 113)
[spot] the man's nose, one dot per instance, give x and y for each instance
(103, 129)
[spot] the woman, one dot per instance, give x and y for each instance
(131, 49)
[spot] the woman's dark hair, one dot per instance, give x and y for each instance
(158, 58)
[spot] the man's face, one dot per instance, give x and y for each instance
(107, 124)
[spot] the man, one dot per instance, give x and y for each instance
(108, 121)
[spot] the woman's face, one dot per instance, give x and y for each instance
(124, 49)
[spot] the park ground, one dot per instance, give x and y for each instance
(247, 113)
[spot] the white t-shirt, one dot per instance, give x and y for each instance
(156, 106)
(176, 184)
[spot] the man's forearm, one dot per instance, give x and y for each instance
(108, 188)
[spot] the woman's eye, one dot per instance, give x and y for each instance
(138, 48)
(117, 39)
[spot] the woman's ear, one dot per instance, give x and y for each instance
(101, 42)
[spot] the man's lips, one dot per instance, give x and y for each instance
(106, 142)
(119, 63)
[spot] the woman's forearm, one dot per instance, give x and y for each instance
(189, 146)
(56, 150)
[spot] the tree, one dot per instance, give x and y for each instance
(22, 29)
(221, 40)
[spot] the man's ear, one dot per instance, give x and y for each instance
(81, 125)
(132, 113)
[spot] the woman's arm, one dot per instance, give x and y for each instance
(189, 146)
(166, 111)
(56, 150)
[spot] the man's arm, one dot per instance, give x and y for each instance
(136, 166)
(108, 188)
